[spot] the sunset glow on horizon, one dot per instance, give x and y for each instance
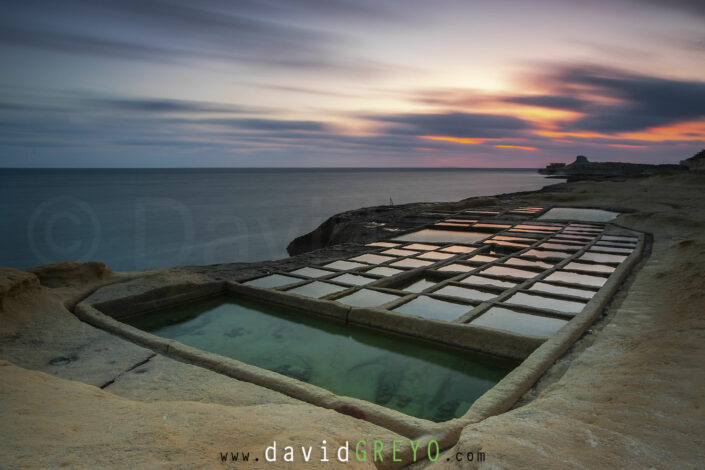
(350, 83)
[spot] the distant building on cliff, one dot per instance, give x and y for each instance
(696, 162)
(582, 168)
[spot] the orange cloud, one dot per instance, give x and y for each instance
(578, 134)
(687, 131)
(519, 147)
(679, 131)
(475, 141)
(626, 146)
(457, 140)
(545, 117)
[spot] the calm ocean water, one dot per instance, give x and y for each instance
(140, 219)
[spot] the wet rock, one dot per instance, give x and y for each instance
(387, 387)
(296, 367)
(235, 332)
(295, 372)
(446, 411)
(403, 400)
(279, 333)
(60, 361)
(194, 328)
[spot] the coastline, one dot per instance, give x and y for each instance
(627, 410)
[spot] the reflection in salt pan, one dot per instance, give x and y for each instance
(512, 272)
(465, 293)
(457, 268)
(367, 298)
(443, 236)
(417, 285)
(435, 255)
(384, 271)
(353, 279)
(410, 263)
(311, 272)
(561, 290)
(316, 289)
(428, 307)
(594, 268)
(273, 280)
(602, 257)
(372, 259)
(344, 265)
(518, 322)
(545, 302)
(487, 281)
(574, 213)
(575, 278)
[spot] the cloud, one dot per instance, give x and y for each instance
(641, 101)
(453, 124)
(78, 104)
(163, 106)
(84, 44)
(305, 90)
(276, 33)
(123, 121)
(458, 98)
(453, 98)
(570, 103)
(5, 106)
(696, 7)
(266, 124)
(610, 100)
(157, 30)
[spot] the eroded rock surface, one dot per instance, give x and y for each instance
(152, 408)
(633, 395)
(55, 423)
(628, 396)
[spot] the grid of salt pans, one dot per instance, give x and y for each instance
(520, 276)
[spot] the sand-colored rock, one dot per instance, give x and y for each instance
(66, 273)
(55, 423)
(49, 422)
(632, 395)
(37, 331)
(163, 378)
(628, 396)
(14, 283)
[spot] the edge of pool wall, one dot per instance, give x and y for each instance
(405, 425)
(459, 335)
(501, 397)
(507, 391)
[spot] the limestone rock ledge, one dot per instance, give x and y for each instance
(14, 283)
(375, 223)
(66, 273)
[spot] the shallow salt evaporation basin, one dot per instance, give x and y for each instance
(565, 288)
(573, 213)
(531, 307)
(410, 376)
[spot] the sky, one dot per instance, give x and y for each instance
(349, 83)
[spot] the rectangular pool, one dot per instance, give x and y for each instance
(414, 377)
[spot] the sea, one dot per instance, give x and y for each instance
(135, 219)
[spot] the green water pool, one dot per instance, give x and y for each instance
(414, 377)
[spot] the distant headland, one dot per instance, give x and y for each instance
(582, 168)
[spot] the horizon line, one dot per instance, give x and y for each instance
(271, 168)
